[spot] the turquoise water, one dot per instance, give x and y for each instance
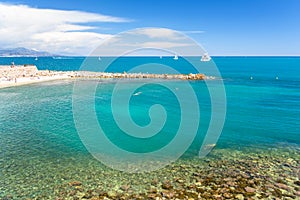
(275, 101)
(40, 144)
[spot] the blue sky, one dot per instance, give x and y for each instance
(231, 27)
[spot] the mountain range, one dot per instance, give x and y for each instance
(23, 52)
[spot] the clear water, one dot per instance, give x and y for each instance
(41, 150)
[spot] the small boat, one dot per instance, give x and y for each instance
(205, 57)
(99, 58)
(57, 58)
(36, 58)
(137, 94)
(175, 57)
(160, 57)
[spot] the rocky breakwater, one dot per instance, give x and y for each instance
(14, 75)
(103, 75)
(10, 73)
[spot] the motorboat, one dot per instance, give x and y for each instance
(205, 57)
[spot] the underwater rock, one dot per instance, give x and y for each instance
(239, 197)
(103, 194)
(297, 193)
(297, 183)
(167, 194)
(166, 185)
(228, 195)
(192, 194)
(125, 187)
(179, 180)
(8, 197)
(95, 198)
(87, 195)
(79, 195)
(282, 186)
(277, 193)
(154, 182)
(249, 189)
(72, 193)
(151, 196)
(152, 190)
(75, 183)
(112, 194)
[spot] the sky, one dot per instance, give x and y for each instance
(231, 27)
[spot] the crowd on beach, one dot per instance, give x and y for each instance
(14, 75)
(13, 72)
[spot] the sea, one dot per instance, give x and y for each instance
(44, 156)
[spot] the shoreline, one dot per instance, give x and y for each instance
(12, 76)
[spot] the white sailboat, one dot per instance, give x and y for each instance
(205, 57)
(175, 57)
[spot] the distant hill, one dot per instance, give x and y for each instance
(23, 52)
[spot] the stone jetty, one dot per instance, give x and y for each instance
(13, 75)
(85, 74)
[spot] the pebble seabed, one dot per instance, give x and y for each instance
(271, 173)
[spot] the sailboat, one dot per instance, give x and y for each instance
(175, 57)
(205, 57)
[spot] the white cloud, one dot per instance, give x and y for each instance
(193, 32)
(58, 31)
(161, 33)
(149, 40)
(164, 33)
(163, 45)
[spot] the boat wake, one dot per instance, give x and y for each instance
(137, 94)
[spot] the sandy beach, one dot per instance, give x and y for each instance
(13, 75)
(30, 80)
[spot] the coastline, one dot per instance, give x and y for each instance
(11, 76)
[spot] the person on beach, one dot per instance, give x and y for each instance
(12, 65)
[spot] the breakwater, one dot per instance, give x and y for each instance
(12, 72)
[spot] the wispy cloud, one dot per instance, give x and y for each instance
(159, 33)
(58, 31)
(193, 32)
(163, 45)
(164, 33)
(149, 40)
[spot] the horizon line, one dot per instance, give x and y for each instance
(57, 56)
